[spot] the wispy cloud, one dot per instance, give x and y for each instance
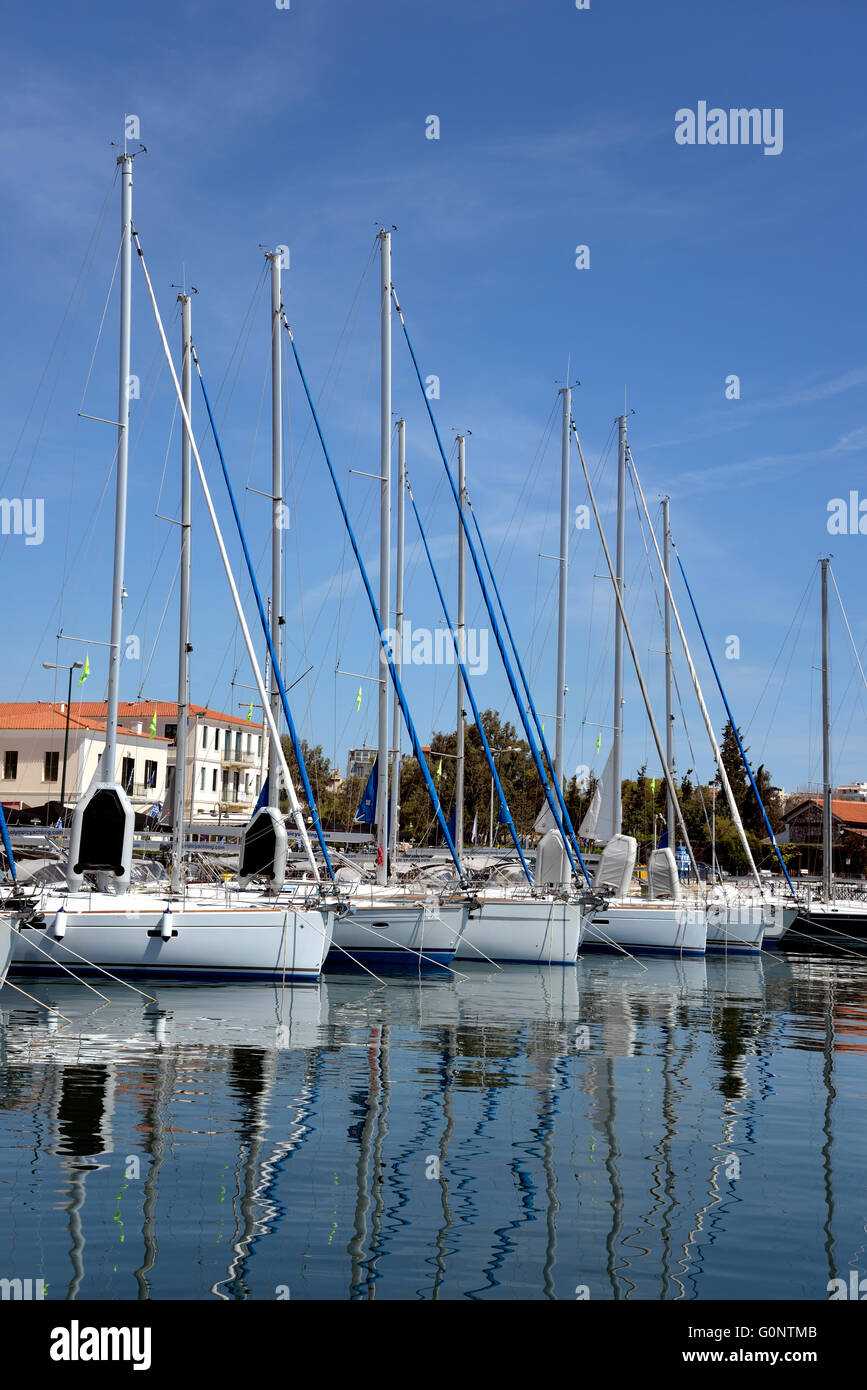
(754, 471)
(739, 416)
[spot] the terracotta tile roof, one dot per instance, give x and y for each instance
(166, 709)
(26, 715)
(852, 812)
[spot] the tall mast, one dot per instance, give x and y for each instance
(462, 647)
(384, 551)
(826, 742)
(276, 259)
(669, 725)
(178, 818)
(559, 768)
(109, 770)
(620, 561)
(398, 627)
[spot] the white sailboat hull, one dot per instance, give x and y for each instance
(6, 944)
(529, 931)
(390, 932)
(735, 927)
(126, 935)
(645, 926)
(778, 923)
(747, 924)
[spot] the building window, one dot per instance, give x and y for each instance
(127, 773)
(246, 784)
(204, 735)
(150, 773)
(258, 788)
(259, 749)
(214, 781)
(202, 781)
(249, 743)
(171, 732)
(10, 766)
(216, 740)
(52, 762)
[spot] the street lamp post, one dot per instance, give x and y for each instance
(53, 666)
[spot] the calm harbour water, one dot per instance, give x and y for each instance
(677, 1130)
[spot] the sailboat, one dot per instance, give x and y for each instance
(841, 921)
(169, 933)
(735, 921)
(665, 923)
(542, 920)
(378, 922)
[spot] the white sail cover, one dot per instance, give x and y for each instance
(663, 880)
(545, 820)
(598, 822)
(553, 869)
(616, 863)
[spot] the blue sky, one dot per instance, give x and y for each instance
(306, 127)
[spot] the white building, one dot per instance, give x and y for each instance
(31, 756)
(225, 755)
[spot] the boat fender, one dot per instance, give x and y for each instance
(59, 927)
(166, 926)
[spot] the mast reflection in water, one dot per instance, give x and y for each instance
(625, 1130)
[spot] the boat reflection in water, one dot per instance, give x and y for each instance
(621, 1130)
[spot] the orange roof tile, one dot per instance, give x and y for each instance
(853, 812)
(165, 709)
(25, 715)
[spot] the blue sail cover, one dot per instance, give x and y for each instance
(453, 822)
(366, 813)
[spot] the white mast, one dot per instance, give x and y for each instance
(620, 561)
(384, 553)
(633, 653)
(398, 627)
(826, 742)
(733, 808)
(276, 259)
(108, 768)
(462, 648)
(179, 815)
(559, 769)
(669, 718)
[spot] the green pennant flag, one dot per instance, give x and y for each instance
(598, 742)
(153, 724)
(249, 713)
(85, 670)
(653, 786)
(439, 769)
(358, 699)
